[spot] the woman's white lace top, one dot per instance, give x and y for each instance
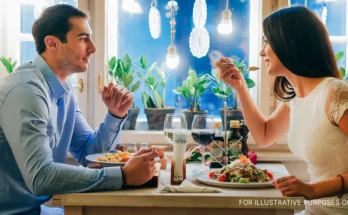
(314, 135)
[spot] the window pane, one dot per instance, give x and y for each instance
(27, 18)
(28, 51)
(134, 38)
(339, 48)
(333, 14)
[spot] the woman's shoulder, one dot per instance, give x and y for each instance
(335, 85)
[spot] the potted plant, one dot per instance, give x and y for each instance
(191, 89)
(8, 64)
(342, 71)
(226, 93)
(124, 72)
(154, 96)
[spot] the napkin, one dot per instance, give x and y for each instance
(188, 187)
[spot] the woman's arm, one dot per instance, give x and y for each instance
(264, 131)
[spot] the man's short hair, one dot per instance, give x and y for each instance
(54, 21)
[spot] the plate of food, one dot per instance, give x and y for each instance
(241, 173)
(116, 158)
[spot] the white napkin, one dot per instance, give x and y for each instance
(188, 187)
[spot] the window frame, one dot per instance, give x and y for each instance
(264, 96)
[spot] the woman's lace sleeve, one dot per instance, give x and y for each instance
(337, 100)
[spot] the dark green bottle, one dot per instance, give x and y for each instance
(234, 141)
(244, 132)
(217, 146)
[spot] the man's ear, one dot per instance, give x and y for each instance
(52, 43)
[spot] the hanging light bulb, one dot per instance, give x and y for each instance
(131, 6)
(172, 59)
(225, 26)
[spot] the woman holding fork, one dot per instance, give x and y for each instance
(314, 109)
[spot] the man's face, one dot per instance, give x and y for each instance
(75, 54)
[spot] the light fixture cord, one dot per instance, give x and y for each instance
(172, 23)
(226, 4)
(154, 3)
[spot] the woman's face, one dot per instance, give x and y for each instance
(272, 62)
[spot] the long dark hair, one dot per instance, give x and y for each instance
(301, 42)
(54, 21)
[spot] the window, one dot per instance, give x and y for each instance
(18, 21)
(134, 38)
(334, 14)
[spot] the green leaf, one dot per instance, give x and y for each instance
(149, 71)
(135, 86)
(147, 101)
(139, 74)
(127, 80)
(161, 83)
(111, 73)
(250, 83)
(200, 90)
(339, 55)
(14, 65)
(143, 62)
(158, 98)
(127, 60)
(219, 93)
(342, 71)
(345, 78)
(193, 75)
(151, 81)
(112, 63)
(177, 91)
(196, 155)
(119, 69)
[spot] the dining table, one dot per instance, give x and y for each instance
(246, 201)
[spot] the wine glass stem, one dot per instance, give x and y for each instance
(203, 166)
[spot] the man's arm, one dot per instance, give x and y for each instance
(85, 141)
(23, 118)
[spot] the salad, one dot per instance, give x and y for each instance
(241, 170)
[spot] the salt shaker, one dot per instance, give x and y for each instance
(132, 147)
(144, 145)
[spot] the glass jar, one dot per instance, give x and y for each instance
(174, 169)
(144, 145)
(132, 148)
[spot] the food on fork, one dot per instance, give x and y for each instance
(115, 157)
(241, 170)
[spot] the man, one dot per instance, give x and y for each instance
(40, 121)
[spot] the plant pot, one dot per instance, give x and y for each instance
(232, 114)
(131, 120)
(190, 114)
(156, 116)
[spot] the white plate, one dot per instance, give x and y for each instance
(94, 159)
(204, 179)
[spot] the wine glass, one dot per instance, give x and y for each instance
(175, 131)
(174, 122)
(203, 133)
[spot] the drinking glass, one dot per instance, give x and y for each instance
(174, 122)
(203, 133)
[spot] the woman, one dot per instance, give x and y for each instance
(314, 111)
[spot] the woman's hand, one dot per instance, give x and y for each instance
(230, 74)
(292, 186)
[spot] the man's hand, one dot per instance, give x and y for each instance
(140, 168)
(118, 99)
